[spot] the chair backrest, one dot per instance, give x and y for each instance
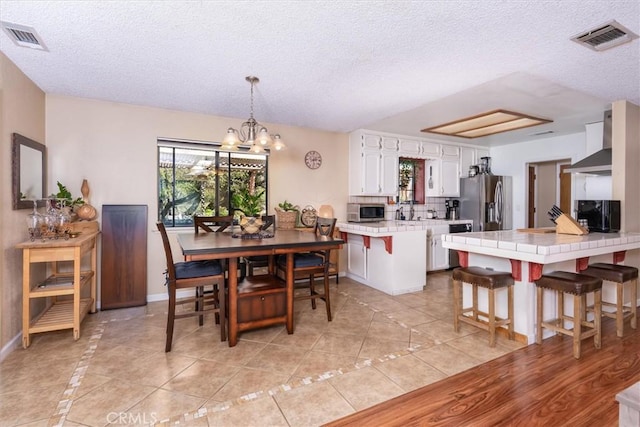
(171, 269)
(325, 226)
(208, 223)
(268, 221)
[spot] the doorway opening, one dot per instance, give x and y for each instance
(547, 185)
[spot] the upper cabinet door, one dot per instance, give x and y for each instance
(409, 147)
(467, 159)
(389, 144)
(451, 152)
(449, 178)
(371, 172)
(431, 150)
(373, 142)
(389, 174)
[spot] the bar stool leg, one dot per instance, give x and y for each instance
(512, 334)
(475, 302)
(492, 317)
(634, 302)
(597, 302)
(560, 308)
(457, 304)
(539, 297)
(619, 309)
(577, 325)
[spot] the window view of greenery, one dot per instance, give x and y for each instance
(411, 181)
(209, 182)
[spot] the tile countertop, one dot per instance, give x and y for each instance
(542, 248)
(385, 227)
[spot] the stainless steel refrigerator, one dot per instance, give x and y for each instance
(486, 199)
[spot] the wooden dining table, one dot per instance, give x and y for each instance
(228, 246)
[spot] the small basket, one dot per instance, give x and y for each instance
(286, 220)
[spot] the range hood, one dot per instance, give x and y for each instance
(598, 163)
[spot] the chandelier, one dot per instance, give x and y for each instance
(252, 132)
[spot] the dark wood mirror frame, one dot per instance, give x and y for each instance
(19, 144)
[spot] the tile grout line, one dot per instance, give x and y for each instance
(64, 405)
(282, 388)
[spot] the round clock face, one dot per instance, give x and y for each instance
(313, 160)
(309, 216)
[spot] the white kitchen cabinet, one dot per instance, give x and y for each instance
(409, 147)
(431, 150)
(437, 256)
(373, 165)
(356, 256)
(450, 152)
(442, 178)
(467, 159)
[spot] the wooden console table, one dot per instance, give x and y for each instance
(59, 313)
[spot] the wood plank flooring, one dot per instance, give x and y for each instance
(538, 385)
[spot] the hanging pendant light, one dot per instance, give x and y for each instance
(252, 133)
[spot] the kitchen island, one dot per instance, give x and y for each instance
(529, 255)
(390, 256)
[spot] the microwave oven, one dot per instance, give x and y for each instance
(603, 216)
(365, 212)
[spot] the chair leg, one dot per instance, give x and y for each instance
(170, 319)
(492, 318)
(512, 333)
(222, 295)
(312, 291)
(200, 304)
(327, 299)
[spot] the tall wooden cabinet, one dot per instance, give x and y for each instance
(123, 280)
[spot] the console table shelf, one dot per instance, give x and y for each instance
(65, 313)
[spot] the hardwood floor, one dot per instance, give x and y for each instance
(538, 385)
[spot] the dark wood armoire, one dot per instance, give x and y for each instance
(123, 280)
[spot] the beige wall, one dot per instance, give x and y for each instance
(22, 110)
(625, 170)
(113, 146)
(545, 192)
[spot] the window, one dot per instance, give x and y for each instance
(202, 179)
(411, 181)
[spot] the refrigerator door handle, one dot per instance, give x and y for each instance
(498, 199)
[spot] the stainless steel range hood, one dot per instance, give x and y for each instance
(598, 163)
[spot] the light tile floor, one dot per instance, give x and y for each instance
(377, 347)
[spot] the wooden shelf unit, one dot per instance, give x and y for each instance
(262, 301)
(66, 313)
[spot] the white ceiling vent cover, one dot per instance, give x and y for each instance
(605, 36)
(23, 36)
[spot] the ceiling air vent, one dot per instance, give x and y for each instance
(23, 36)
(605, 36)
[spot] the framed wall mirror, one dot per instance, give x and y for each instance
(29, 172)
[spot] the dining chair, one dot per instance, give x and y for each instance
(313, 263)
(218, 224)
(193, 274)
(258, 261)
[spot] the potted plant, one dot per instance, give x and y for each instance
(287, 215)
(251, 206)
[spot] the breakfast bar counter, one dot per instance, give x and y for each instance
(529, 255)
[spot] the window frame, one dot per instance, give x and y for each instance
(218, 152)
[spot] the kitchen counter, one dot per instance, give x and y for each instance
(529, 255)
(390, 256)
(386, 227)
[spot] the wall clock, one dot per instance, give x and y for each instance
(313, 160)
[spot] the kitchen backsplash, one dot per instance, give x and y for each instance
(433, 203)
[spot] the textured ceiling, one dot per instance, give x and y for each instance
(398, 66)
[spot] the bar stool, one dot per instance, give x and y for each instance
(491, 280)
(578, 285)
(620, 275)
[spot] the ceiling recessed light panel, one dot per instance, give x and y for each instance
(485, 124)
